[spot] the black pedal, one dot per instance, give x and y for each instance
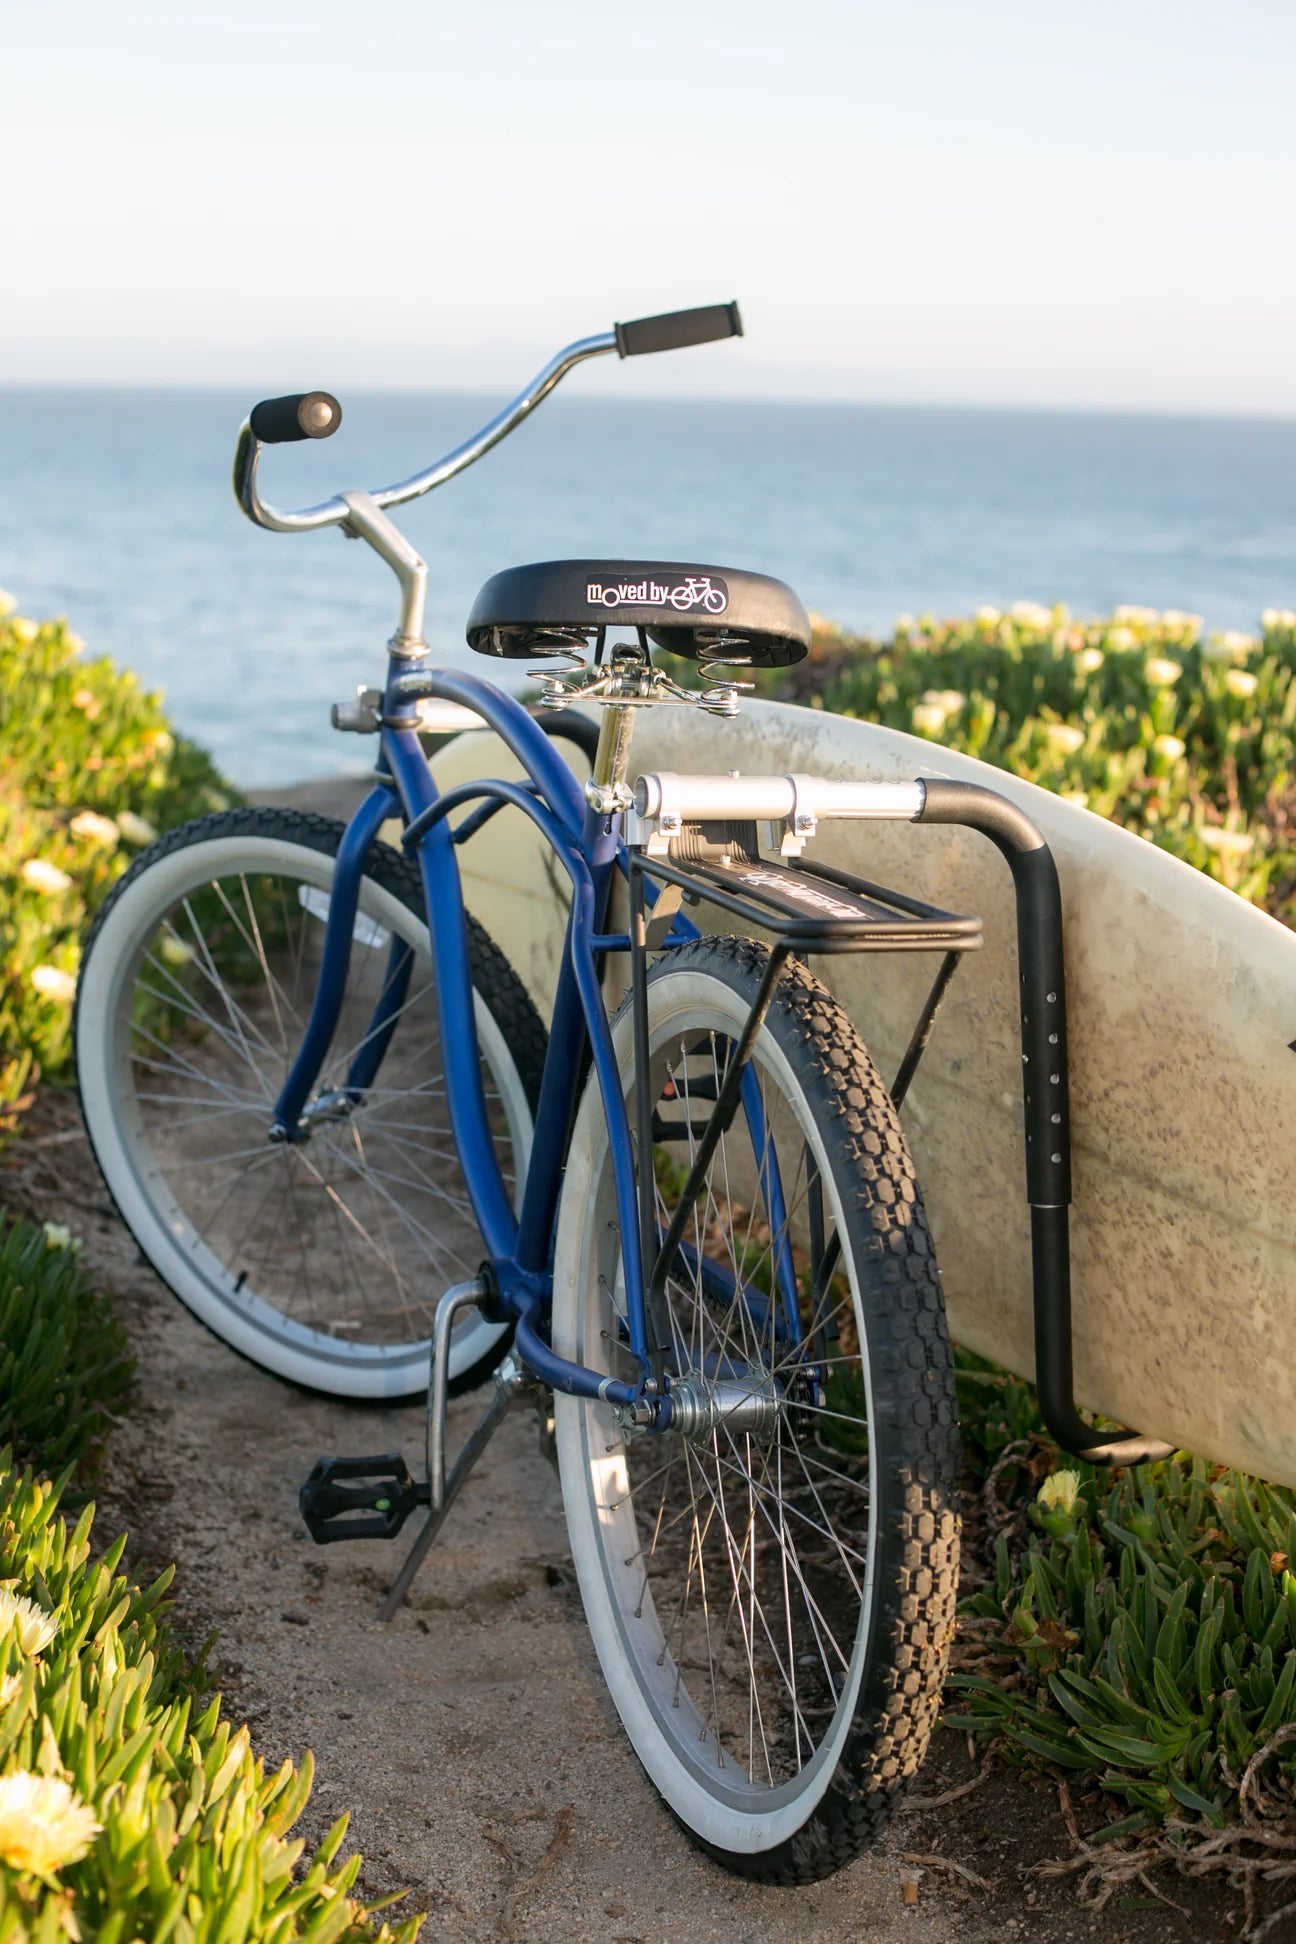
(375, 1505)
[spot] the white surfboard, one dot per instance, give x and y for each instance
(1182, 1010)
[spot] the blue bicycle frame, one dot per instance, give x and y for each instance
(588, 845)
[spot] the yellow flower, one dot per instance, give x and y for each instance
(1170, 747)
(24, 630)
(1032, 614)
(73, 641)
(1063, 738)
(44, 876)
(1161, 672)
(7, 603)
(176, 952)
(987, 614)
(43, 1825)
(1240, 682)
(1121, 638)
(136, 830)
(1181, 623)
(59, 1236)
(1272, 618)
(1090, 661)
(1059, 1492)
(53, 983)
(950, 700)
(1143, 616)
(88, 823)
(1233, 843)
(33, 1627)
(904, 624)
(1231, 646)
(928, 718)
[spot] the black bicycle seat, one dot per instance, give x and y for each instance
(707, 613)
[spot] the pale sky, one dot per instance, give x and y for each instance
(980, 201)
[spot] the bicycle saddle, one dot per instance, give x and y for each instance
(707, 613)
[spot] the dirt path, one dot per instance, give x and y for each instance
(472, 1739)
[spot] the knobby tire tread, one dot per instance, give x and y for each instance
(915, 1405)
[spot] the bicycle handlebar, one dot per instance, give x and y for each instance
(273, 421)
(306, 415)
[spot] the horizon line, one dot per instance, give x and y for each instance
(821, 401)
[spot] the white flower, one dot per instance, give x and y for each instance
(33, 1627)
(950, 700)
(1090, 660)
(1181, 623)
(1237, 643)
(904, 624)
(44, 876)
(73, 641)
(1233, 843)
(1240, 682)
(59, 1236)
(24, 630)
(1032, 614)
(928, 718)
(1162, 672)
(1121, 638)
(1272, 619)
(1063, 738)
(136, 830)
(44, 1825)
(1079, 797)
(51, 983)
(7, 603)
(1170, 747)
(987, 614)
(88, 823)
(1143, 616)
(10, 1689)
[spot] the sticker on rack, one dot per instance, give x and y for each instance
(364, 931)
(684, 596)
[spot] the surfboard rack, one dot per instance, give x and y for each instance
(680, 836)
(1042, 982)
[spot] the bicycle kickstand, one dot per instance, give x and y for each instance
(341, 1493)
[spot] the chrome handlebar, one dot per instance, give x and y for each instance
(341, 509)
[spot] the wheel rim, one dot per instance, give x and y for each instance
(728, 1572)
(336, 1250)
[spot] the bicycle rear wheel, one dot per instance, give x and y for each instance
(321, 1261)
(770, 1584)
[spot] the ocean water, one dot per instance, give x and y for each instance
(115, 509)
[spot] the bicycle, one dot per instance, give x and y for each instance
(314, 1087)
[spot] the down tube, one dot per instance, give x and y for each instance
(448, 928)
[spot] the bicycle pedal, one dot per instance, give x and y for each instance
(359, 1498)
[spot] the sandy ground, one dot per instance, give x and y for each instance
(472, 1738)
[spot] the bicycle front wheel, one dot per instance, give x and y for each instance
(323, 1260)
(770, 1583)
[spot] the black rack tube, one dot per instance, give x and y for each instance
(1047, 1112)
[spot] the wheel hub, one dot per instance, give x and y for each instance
(750, 1406)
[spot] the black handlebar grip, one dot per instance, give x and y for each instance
(305, 415)
(674, 329)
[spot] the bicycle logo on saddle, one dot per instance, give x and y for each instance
(694, 591)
